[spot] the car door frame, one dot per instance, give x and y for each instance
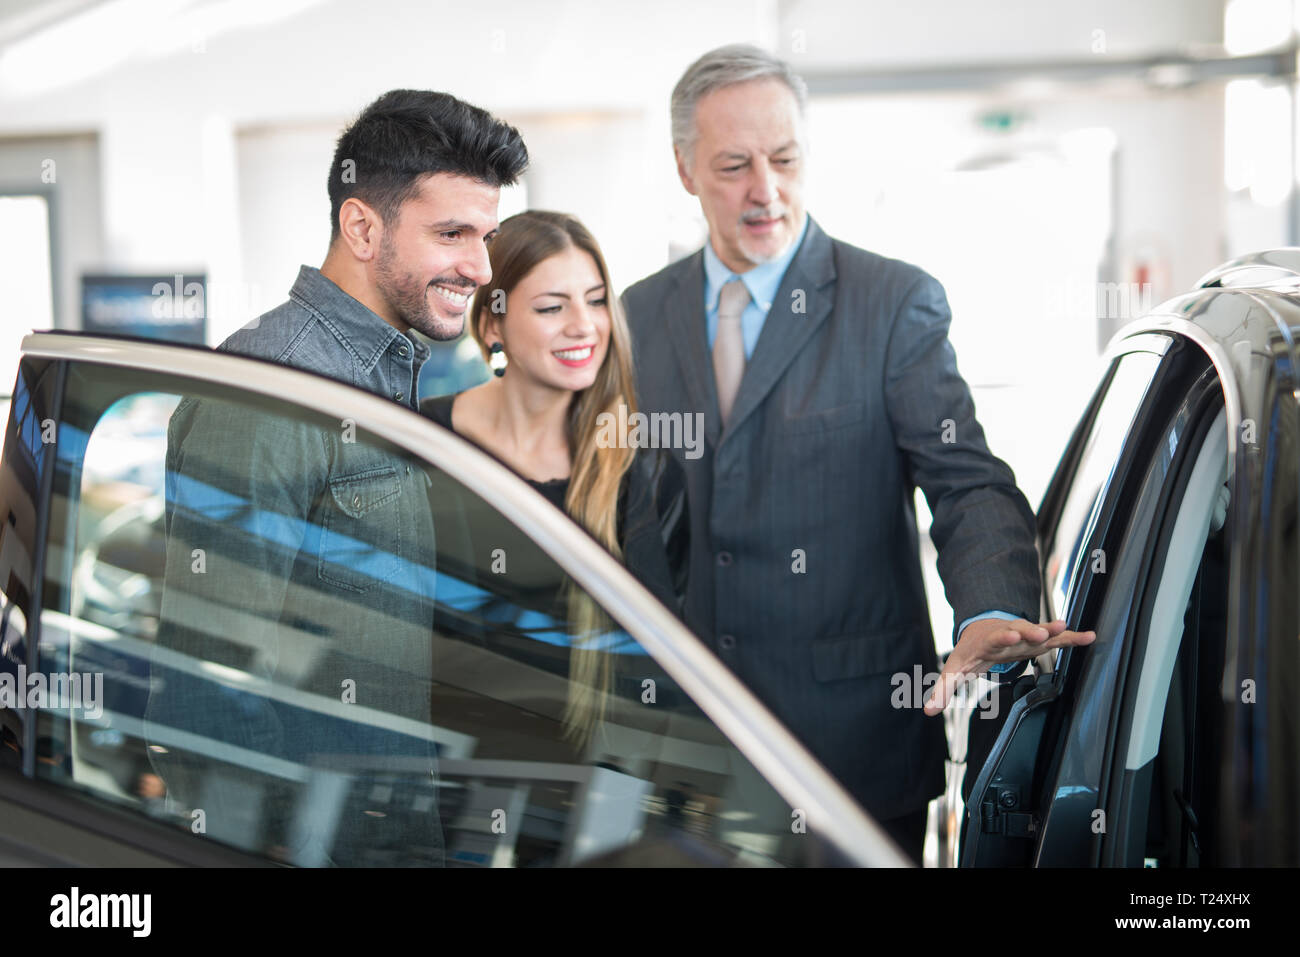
(1123, 791)
(1188, 321)
(1248, 320)
(1011, 770)
(1017, 782)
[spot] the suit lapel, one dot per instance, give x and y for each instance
(801, 305)
(690, 341)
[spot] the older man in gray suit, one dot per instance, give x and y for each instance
(829, 392)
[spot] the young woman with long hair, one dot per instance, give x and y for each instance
(550, 325)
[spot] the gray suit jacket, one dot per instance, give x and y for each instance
(805, 569)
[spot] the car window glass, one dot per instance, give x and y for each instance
(1182, 820)
(273, 629)
(1066, 545)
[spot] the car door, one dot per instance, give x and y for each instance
(255, 616)
(1171, 791)
(1094, 525)
(1117, 755)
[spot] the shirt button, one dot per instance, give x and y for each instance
(399, 396)
(724, 559)
(356, 501)
(403, 351)
(727, 642)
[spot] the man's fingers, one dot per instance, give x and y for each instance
(942, 690)
(1004, 639)
(1014, 634)
(1067, 638)
(1031, 632)
(952, 675)
(1017, 645)
(1015, 641)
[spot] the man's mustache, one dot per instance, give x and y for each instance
(456, 282)
(763, 212)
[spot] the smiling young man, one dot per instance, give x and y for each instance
(413, 194)
(829, 391)
(300, 553)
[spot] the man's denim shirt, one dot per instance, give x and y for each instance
(323, 329)
(320, 572)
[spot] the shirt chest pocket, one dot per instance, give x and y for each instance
(361, 530)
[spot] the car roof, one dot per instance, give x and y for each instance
(1245, 315)
(1268, 268)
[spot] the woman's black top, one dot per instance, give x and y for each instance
(653, 515)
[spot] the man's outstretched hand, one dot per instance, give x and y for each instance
(992, 641)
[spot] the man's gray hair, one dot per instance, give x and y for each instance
(736, 63)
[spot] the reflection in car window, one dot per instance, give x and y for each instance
(1066, 546)
(323, 650)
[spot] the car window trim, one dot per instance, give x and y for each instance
(1157, 657)
(1063, 478)
(1159, 322)
(1203, 403)
(1050, 511)
(36, 597)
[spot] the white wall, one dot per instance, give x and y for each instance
(889, 33)
(283, 214)
(213, 143)
(177, 131)
(73, 163)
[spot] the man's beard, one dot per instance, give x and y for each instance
(752, 254)
(409, 298)
(758, 258)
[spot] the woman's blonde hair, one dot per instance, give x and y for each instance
(522, 242)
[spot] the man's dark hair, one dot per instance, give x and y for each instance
(407, 134)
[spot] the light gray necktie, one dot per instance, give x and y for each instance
(729, 345)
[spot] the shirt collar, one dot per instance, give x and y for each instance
(365, 331)
(762, 281)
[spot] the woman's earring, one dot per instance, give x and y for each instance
(498, 360)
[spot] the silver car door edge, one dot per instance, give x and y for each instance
(1217, 354)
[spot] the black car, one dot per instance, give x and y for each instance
(1170, 528)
